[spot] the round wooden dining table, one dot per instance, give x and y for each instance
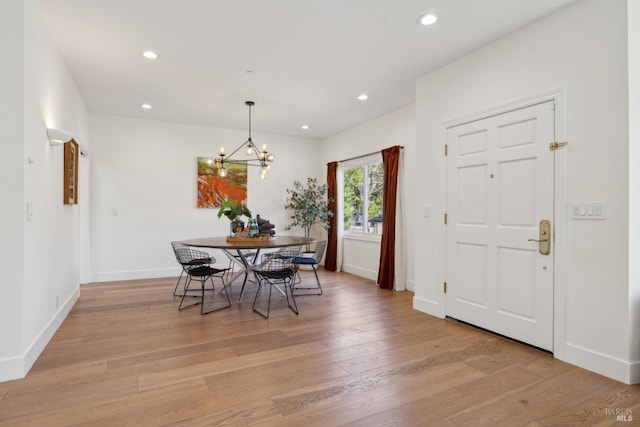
(222, 243)
(234, 250)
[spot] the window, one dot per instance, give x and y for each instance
(362, 198)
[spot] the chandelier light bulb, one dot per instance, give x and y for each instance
(209, 161)
(256, 156)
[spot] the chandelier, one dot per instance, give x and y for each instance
(256, 157)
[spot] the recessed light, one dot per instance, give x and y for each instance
(146, 106)
(428, 19)
(305, 127)
(149, 54)
(363, 97)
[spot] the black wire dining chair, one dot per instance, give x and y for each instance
(188, 260)
(312, 261)
(202, 274)
(274, 271)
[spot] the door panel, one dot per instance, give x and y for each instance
(516, 298)
(472, 284)
(499, 187)
(516, 193)
(472, 195)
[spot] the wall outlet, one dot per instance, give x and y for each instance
(57, 301)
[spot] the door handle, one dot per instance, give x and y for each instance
(539, 241)
(544, 245)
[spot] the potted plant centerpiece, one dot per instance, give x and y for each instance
(308, 206)
(234, 210)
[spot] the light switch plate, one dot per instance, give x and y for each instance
(588, 210)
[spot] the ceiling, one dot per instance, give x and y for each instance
(301, 61)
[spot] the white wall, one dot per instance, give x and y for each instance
(11, 188)
(634, 182)
(146, 170)
(52, 237)
(582, 50)
(362, 257)
(46, 273)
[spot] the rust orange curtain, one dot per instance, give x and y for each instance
(331, 257)
(386, 270)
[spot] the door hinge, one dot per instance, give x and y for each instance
(446, 149)
(445, 287)
(445, 219)
(555, 145)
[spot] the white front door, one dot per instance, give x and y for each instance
(499, 187)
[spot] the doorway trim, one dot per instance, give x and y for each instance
(558, 96)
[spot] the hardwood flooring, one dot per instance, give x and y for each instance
(356, 356)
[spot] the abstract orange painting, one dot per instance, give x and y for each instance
(212, 188)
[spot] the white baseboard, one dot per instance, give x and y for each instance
(367, 274)
(18, 367)
(634, 373)
(411, 285)
(619, 370)
(372, 275)
(113, 276)
(12, 369)
(156, 273)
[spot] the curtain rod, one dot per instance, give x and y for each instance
(363, 156)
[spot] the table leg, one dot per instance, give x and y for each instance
(245, 267)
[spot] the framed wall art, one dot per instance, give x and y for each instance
(212, 189)
(71, 151)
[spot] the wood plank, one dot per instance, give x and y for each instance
(160, 379)
(340, 409)
(357, 355)
(439, 408)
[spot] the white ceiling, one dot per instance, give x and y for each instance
(310, 58)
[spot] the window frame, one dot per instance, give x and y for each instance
(352, 164)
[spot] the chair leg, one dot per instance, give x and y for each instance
(288, 290)
(178, 283)
(186, 288)
(175, 290)
(260, 285)
(289, 286)
(224, 288)
(319, 287)
(315, 271)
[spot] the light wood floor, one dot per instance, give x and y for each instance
(355, 356)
